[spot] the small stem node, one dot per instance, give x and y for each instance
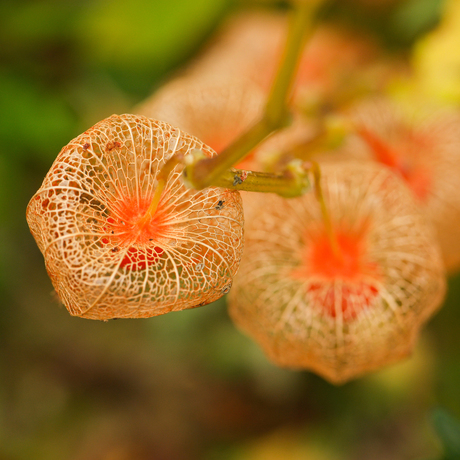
(191, 161)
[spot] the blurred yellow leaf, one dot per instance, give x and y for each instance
(436, 57)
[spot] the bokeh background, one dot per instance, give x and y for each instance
(186, 385)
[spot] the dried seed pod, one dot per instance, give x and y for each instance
(339, 313)
(248, 45)
(216, 110)
(423, 146)
(336, 63)
(106, 255)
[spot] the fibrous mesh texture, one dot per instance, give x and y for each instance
(423, 146)
(87, 220)
(339, 318)
(216, 110)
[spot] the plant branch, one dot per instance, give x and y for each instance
(293, 181)
(276, 115)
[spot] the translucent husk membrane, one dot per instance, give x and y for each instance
(215, 109)
(248, 45)
(334, 61)
(338, 315)
(106, 256)
(422, 145)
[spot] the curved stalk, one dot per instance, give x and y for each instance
(205, 172)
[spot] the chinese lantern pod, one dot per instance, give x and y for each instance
(106, 255)
(346, 311)
(216, 110)
(335, 64)
(423, 146)
(247, 45)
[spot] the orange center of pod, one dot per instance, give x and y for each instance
(341, 282)
(127, 232)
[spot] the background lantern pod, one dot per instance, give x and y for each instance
(422, 145)
(248, 45)
(338, 316)
(86, 220)
(216, 110)
(336, 65)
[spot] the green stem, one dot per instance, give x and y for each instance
(276, 115)
(324, 211)
(301, 26)
(291, 183)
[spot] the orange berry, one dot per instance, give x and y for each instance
(346, 311)
(106, 255)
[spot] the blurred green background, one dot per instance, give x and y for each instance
(185, 385)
